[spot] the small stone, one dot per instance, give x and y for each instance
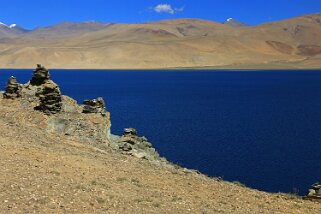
(311, 192)
(316, 186)
(125, 146)
(139, 155)
(13, 89)
(314, 193)
(130, 131)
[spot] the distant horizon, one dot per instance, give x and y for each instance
(159, 20)
(34, 14)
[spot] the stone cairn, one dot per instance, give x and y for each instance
(49, 92)
(94, 106)
(314, 193)
(130, 143)
(40, 76)
(50, 99)
(130, 132)
(13, 89)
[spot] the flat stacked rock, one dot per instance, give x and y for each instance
(13, 89)
(40, 75)
(94, 106)
(130, 132)
(314, 193)
(50, 98)
(136, 146)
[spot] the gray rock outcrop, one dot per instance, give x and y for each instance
(63, 115)
(13, 89)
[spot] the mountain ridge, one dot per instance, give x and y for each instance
(177, 43)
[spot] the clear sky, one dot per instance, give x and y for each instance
(35, 13)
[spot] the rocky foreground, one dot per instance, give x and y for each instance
(59, 157)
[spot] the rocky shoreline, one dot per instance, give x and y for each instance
(60, 157)
(89, 121)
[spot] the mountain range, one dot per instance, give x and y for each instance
(177, 43)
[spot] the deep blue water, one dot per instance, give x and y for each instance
(260, 128)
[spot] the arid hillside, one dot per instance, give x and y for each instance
(58, 157)
(180, 43)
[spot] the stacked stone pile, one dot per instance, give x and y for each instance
(65, 115)
(50, 98)
(13, 89)
(130, 132)
(48, 92)
(136, 146)
(40, 76)
(314, 192)
(94, 106)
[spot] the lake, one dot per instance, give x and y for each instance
(262, 129)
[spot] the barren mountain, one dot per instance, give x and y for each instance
(66, 29)
(234, 23)
(292, 43)
(11, 31)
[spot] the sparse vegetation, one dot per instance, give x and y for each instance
(43, 200)
(55, 173)
(100, 200)
(93, 182)
(177, 165)
(121, 179)
(156, 205)
(136, 182)
(239, 184)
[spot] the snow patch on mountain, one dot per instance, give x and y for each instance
(10, 26)
(3, 24)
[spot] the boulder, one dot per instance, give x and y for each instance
(13, 89)
(314, 193)
(316, 186)
(40, 75)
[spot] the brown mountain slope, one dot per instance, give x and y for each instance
(291, 43)
(67, 29)
(11, 32)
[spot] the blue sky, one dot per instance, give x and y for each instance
(34, 13)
